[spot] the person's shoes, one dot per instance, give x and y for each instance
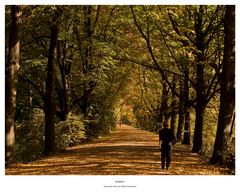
(163, 165)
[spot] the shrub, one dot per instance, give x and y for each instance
(30, 136)
(70, 132)
(29, 141)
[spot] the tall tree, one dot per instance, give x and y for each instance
(49, 95)
(227, 83)
(180, 115)
(11, 78)
(164, 109)
(187, 130)
(63, 85)
(173, 106)
(205, 22)
(85, 31)
(200, 99)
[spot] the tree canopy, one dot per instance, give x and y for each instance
(86, 68)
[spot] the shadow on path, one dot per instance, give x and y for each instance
(127, 151)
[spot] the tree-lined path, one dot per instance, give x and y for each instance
(126, 151)
(73, 72)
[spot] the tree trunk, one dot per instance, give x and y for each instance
(186, 135)
(86, 56)
(200, 108)
(63, 87)
(11, 78)
(227, 83)
(163, 109)
(49, 95)
(180, 116)
(173, 106)
(200, 86)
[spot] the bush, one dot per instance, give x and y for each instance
(29, 141)
(70, 132)
(229, 154)
(30, 136)
(92, 130)
(125, 120)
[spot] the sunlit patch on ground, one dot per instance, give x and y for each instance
(128, 151)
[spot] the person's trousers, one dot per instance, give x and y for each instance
(166, 156)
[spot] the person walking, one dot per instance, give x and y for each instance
(166, 140)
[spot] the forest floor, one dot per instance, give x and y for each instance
(126, 151)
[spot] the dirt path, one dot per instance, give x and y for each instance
(127, 151)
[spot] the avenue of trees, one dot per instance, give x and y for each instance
(73, 72)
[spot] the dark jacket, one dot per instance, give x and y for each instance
(167, 137)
